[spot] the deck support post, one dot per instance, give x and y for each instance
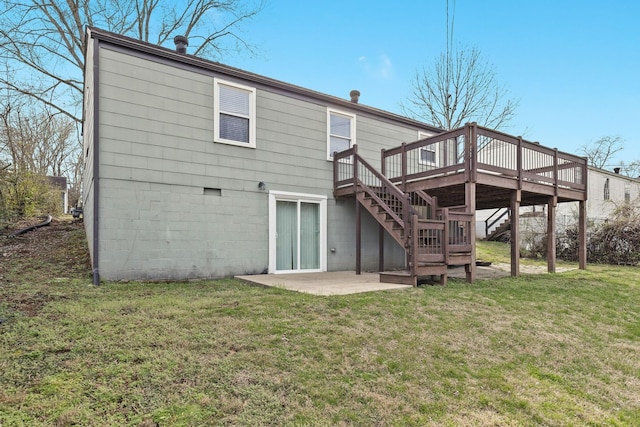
(551, 233)
(358, 237)
(381, 248)
(471, 178)
(516, 197)
(470, 195)
(582, 234)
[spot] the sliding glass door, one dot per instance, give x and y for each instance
(298, 235)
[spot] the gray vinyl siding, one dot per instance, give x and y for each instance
(87, 196)
(157, 157)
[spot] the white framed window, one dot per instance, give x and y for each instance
(341, 131)
(627, 192)
(234, 114)
(297, 232)
(428, 154)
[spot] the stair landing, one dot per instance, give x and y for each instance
(405, 277)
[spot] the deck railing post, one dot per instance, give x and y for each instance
(467, 150)
(519, 162)
(355, 165)
(445, 235)
(555, 171)
(445, 149)
(414, 244)
(434, 207)
(473, 155)
(404, 163)
(335, 171)
(406, 209)
(470, 148)
(585, 173)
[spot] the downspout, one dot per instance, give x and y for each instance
(96, 165)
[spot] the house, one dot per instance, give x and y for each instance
(194, 169)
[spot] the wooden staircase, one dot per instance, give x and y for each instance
(501, 232)
(432, 237)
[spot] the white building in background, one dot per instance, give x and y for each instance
(606, 191)
(60, 183)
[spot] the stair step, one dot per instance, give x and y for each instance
(403, 277)
(399, 277)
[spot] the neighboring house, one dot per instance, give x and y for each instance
(60, 183)
(194, 169)
(606, 191)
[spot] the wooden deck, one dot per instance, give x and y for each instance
(496, 162)
(470, 169)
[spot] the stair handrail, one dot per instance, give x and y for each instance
(429, 200)
(393, 189)
(488, 224)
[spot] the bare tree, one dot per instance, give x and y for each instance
(42, 42)
(632, 169)
(601, 152)
(460, 87)
(36, 141)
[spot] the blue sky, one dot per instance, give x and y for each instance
(574, 65)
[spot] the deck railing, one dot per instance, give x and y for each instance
(437, 155)
(474, 149)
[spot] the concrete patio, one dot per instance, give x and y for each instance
(348, 282)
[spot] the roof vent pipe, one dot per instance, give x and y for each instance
(181, 43)
(355, 96)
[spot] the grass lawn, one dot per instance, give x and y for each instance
(552, 350)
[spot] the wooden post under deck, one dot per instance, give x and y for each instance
(358, 238)
(381, 248)
(551, 234)
(470, 192)
(582, 235)
(515, 232)
(471, 172)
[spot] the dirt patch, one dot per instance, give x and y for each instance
(529, 269)
(57, 248)
(32, 263)
(29, 305)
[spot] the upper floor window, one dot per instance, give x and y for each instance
(341, 132)
(607, 191)
(234, 114)
(428, 154)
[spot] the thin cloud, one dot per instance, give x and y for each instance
(380, 68)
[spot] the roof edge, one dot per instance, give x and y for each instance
(160, 51)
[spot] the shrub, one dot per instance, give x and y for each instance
(25, 195)
(614, 241)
